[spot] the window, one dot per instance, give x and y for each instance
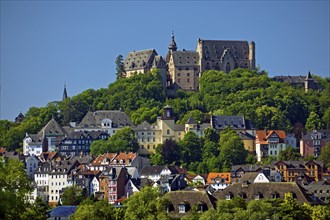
(188, 80)
(168, 132)
(182, 208)
(179, 74)
(188, 74)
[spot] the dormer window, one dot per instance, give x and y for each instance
(121, 161)
(182, 208)
(229, 196)
(106, 123)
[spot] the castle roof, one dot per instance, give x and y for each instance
(214, 49)
(139, 59)
(185, 58)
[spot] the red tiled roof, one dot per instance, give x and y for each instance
(263, 135)
(212, 176)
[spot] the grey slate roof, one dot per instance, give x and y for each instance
(185, 58)
(178, 127)
(215, 49)
(52, 128)
(145, 126)
(152, 170)
(62, 211)
(246, 168)
(139, 59)
(220, 122)
(93, 119)
(191, 120)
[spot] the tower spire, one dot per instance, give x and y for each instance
(172, 46)
(65, 94)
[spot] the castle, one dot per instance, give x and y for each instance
(181, 69)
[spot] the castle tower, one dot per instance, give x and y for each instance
(65, 94)
(172, 47)
(309, 82)
(252, 58)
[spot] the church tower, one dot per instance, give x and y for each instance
(65, 94)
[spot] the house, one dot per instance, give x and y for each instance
(182, 202)
(117, 179)
(31, 165)
(218, 181)
(265, 190)
(41, 178)
(79, 142)
(61, 212)
(102, 161)
(269, 143)
(154, 173)
(254, 177)
(196, 180)
(47, 139)
(290, 170)
(306, 82)
(95, 184)
(149, 136)
(132, 186)
(58, 178)
(291, 140)
(237, 171)
(312, 142)
(109, 121)
(171, 182)
(84, 180)
(248, 141)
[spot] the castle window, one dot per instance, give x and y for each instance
(179, 74)
(188, 80)
(188, 74)
(178, 80)
(168, 132)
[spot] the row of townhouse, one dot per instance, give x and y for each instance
(76, 139)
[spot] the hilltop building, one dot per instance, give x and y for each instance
(306, 82)
(182, 69)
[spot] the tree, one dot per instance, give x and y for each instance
(232, 149)
(290, 209)
(99, 210)
(289, 154)
(14, 185)
(123, 140)
(120, 68)
(72, 195)
(325, 154)
(169, 151)
(191, 150)
(313, 122)
(146, 204)
(211, 135)
(37, 211)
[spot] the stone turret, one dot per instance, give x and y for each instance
(252, 58)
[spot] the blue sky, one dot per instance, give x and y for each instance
(47, 43)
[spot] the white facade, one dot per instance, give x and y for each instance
(31, 164)
(261, 178)
(30, 148)
(57, 182)
(95, 185)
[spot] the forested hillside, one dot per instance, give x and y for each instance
(268, 104)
